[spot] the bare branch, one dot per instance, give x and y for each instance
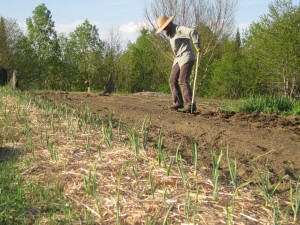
(217, 15)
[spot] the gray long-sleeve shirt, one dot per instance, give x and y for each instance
(180, 37)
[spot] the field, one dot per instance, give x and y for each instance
(128, 159)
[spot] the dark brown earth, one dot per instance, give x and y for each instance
(254, 138)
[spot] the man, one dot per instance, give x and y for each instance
(184, 59)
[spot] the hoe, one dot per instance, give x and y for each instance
(194, 88)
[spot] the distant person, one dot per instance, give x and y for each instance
(109, 86)
(184, 60)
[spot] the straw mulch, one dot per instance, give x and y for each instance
(82, 157)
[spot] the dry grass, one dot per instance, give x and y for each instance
(75, 167)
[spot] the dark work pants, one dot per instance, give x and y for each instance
(180, 84)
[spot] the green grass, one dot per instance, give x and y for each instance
(268, 104)
(22, 202)
(272, 104)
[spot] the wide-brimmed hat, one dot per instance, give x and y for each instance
(162, 22)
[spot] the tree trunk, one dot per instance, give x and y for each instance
(14, 80)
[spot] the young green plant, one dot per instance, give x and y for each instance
(107, 133)
(182, 174)
(152, 182)
(169, 166)
(276, 213)
(167, 215)
(295, 199)
(187, 206)
(195, 206)
(216, 164)
(232, 170)
(195, 154)
(134, 141)
(145, 132)
(267, 191)
(160, 149)
(123, 169)
(88, 144)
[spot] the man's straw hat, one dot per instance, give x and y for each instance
(162, 22)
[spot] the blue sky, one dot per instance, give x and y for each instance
(107, 14)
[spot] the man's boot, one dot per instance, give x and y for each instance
(176, 106)
(188, 109)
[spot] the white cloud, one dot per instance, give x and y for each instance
(129, 31)
(67, 28)
(59, 27)
(129, 28)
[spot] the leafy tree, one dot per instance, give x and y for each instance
(238, 40)
(229, 79)
(83, 52)
(43, 39)
(10, 51)
(146, 68)
(69, 69)
(4, 51)
(27, 64)
(207, 57)
(273, 45)
(113, 53)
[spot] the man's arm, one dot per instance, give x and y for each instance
(193, 34)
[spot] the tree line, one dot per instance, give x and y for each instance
(264, 60)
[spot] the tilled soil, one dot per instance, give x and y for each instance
(255, 139)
